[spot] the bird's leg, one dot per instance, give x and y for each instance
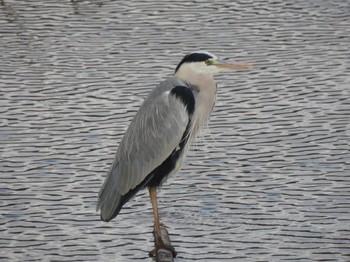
(158, 241)
(153, 196)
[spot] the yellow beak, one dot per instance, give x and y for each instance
(224, 66)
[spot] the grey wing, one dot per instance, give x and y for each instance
(154, 133)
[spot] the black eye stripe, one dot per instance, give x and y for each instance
(194, 57)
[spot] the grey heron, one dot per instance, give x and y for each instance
(155, 144)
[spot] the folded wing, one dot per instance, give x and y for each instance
(154, 133)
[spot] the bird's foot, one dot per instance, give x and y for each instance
(162, 244)
(162, 249)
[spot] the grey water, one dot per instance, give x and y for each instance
(269, 180)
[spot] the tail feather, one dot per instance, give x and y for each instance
(109, 198)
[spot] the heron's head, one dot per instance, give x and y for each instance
(206, 63)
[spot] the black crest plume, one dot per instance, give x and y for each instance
(193, 57)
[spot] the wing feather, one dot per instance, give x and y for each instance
(153, 134)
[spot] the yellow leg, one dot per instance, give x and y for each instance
(153, 196)
(158, 241)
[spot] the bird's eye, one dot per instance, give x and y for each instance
(208, 62)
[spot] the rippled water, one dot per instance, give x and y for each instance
(270, 183)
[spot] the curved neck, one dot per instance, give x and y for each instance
(204, 83)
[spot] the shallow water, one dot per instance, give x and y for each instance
(269, 183)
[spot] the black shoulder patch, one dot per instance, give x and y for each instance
(186, 96)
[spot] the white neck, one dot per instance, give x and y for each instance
(206, 96)
(195, 74)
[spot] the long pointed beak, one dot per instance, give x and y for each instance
(233, 66)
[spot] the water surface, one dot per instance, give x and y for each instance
(270, 182)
